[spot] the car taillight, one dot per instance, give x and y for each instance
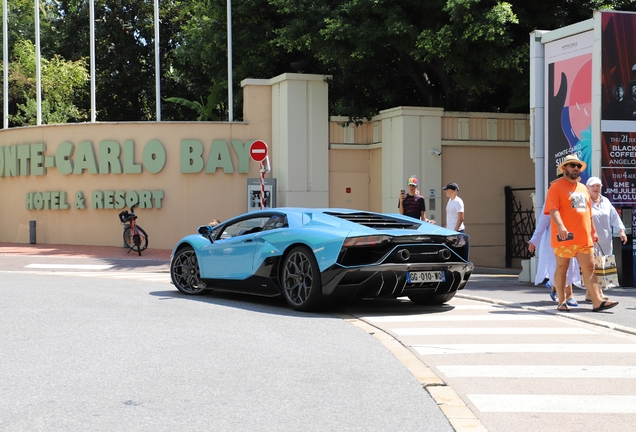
(366, 241)
(458, 240)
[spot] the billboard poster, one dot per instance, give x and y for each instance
(568, 108)
(618, 107)
(254, 194)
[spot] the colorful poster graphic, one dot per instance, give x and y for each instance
(568, 111)
(618, 107)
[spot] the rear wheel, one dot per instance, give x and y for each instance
(184, 272)
(435, 299)
(137, 243)
(301, 281)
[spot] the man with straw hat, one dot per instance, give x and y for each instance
(570, 208)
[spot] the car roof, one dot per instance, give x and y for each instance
(351, 219)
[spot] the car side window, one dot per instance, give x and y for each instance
(243, 227)
(276, 221)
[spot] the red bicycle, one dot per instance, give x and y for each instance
(135, 238)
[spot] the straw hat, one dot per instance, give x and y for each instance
(571, 158)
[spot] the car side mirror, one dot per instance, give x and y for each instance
(206, 231)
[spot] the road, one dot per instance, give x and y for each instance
(497, 358)
(99, 354)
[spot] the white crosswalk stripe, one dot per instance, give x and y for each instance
(585, 404)
(156, 277)
(142, 276)
(524, 348)
(538, 371)
(491, 331)
(447, 318)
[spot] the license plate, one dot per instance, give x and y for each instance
(425, 276)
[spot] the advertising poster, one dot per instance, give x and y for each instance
(618, 107)
(254, 194)
(634, 246)
(568, 110)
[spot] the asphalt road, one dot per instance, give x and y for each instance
(98, 354)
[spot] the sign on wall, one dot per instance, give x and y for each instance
(618, 107)
(254, 194)
(568, 102)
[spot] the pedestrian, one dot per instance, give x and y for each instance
(454, 208)
(412, 203)
(605, 218)
(546, 263)
(573, 234)
(214, 222)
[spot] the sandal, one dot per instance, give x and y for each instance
(553, 295)
(563, 307)
(605, 305)
(572, 302)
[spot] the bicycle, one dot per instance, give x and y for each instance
(135, 238)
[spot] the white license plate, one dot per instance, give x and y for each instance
(425, 276)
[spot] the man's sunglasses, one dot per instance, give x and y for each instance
(575, 165)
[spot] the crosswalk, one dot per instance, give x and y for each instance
(524, 370)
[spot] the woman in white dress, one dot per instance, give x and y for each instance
(605, 218)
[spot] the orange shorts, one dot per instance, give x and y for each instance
(570, 251)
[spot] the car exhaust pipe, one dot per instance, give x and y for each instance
(404, 254)
(444, 254)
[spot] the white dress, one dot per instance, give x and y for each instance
(605, 218)
(546, 265)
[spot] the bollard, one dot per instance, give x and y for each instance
(32, 232)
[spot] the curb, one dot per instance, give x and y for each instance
(461, 418)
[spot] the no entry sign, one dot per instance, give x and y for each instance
(258, 151)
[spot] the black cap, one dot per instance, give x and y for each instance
(451, 186)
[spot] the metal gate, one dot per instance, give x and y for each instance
(520, 225)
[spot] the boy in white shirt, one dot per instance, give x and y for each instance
(454, 208)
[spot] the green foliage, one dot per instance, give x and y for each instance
(60, 81)
(462, 55)
(207, 110)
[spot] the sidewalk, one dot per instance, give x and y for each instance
(78, 251)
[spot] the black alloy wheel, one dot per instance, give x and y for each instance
(184, 271)
(301, 281)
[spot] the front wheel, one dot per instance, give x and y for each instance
(301, 281)
(137, 242)
(184, 272)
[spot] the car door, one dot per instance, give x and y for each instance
(231, 256)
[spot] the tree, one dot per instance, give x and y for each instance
(60, 80)
(125, 58)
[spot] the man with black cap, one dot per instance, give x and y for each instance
(454, 208)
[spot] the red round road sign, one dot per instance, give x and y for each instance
(258, 151)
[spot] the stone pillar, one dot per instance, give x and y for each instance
(411, 145)
(300, 140)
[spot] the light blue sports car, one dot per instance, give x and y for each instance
(308, 255)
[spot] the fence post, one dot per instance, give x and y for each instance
(508, 210)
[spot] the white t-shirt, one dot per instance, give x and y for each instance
(454, 206)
